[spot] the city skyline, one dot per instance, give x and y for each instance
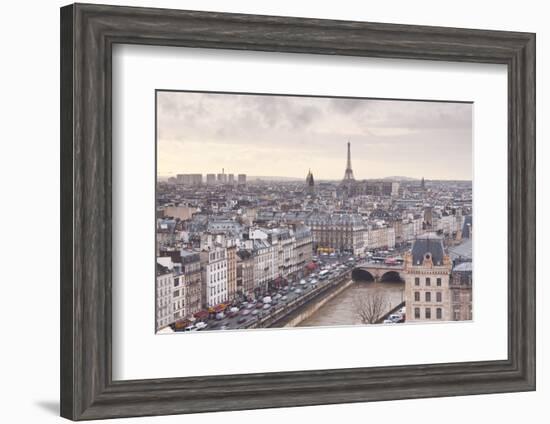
(301, 179)
(260, 135)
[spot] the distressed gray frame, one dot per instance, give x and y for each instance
(88, 33)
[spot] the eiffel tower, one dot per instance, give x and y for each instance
(348, 174)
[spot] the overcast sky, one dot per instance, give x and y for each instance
(264, 135)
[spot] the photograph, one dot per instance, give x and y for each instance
(280, 210)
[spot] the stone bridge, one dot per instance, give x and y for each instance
(372, 271)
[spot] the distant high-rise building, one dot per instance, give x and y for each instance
(241, 179)
(222, 178)
(210, 179)
(189, 179)
(422, 184)
(231, 179)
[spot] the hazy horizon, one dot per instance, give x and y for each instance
(286, 136)
(294, 178)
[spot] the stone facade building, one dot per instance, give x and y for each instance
(191, 270)
(265, 264)
(461, 292)
(164, 293)
(178, 297)
(286, 251)
(338, 231)
(214, 276)
(381, 237)
(231, 271)
(245, 273)
(427, 286)
(304, 246)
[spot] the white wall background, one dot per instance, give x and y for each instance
(29, 216)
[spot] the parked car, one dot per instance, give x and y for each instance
(267, 306)
(241, 320)
(220, 316)
(201, 325)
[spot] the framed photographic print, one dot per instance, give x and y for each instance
(266, 211)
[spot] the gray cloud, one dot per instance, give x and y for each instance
(261, 132)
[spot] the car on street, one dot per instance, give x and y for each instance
(241, 320)
(201, 325)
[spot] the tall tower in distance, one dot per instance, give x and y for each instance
(348, 175)
(310, 183)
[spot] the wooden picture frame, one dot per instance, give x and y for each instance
(88, 33)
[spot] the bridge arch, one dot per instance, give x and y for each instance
(391, 277)
(360, 274)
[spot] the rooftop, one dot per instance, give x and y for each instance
(464, 266)
(461, 251)
(428, 244)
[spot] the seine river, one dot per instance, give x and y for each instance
(340, 309)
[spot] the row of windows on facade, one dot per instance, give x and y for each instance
(217, 255)
(428, 297)
(218, 265)
(428, 281)
(163, 292)
(216, 290)
(218, 276)
(428, 313)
